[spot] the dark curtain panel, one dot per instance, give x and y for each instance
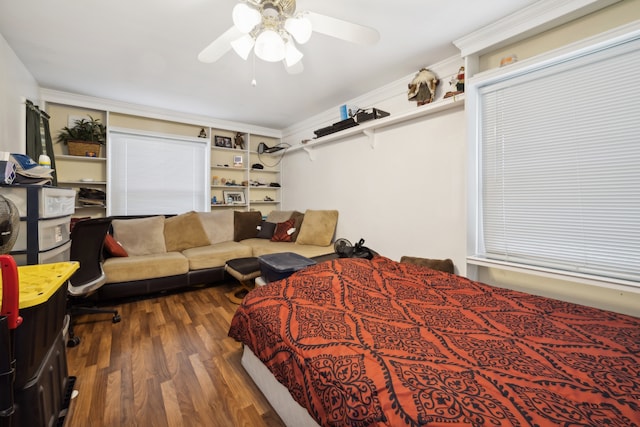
(34, 143)
(39, 136)
(49, 146)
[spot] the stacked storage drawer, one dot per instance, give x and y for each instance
(45, 215)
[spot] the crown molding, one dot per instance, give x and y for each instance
(112, 106)
(535, 19)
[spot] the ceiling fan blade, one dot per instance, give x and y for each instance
(219, 46)
(344, 30)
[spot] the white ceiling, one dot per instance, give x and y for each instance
(145, 52)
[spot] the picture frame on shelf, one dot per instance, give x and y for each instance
(222, 141)
(234, 197)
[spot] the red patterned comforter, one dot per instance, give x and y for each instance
(361, 343)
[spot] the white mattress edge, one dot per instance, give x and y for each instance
(278, 396)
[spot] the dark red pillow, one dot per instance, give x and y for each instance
(113, 247)
(282, 232)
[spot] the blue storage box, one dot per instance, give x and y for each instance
(280, 266)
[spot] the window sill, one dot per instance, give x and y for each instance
(586, 279)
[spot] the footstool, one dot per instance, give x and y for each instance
(282, 265)
(244, 270)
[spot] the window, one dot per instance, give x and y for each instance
(151, 174)
(558, 165)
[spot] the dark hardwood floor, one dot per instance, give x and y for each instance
(169, 362)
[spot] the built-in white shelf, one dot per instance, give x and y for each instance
(370, 127)
(264, 171)
(81, 183)
(80, 158)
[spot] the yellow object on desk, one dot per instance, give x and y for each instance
(37, 283)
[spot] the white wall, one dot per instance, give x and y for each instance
(404, 196)
(16, 85)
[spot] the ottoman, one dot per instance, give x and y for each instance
(244, 270)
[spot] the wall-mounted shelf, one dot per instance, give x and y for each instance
(371, 127)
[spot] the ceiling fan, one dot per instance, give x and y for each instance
(271, 29)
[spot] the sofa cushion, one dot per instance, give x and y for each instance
(184, 231)
(265, 247)
(140, 236)
(318, 227)
(218, 225)
(216, 255)
(245, 224)
(145, 267)
(284, 231)
(276, 216)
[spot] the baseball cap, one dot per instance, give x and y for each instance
(26, 166)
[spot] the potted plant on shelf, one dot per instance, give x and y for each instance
(85, 137)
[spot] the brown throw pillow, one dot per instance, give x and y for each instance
(283, 231)
(299, 217)
(445, 265)
(245, 225)
(184, 231)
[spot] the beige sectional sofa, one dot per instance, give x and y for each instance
(165, 253)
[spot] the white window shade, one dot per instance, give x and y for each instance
(560, 166)
(156, 174)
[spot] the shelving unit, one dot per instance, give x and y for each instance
(265, 196)
(255, 184)
(93, 172)
(83, 172)
(45, 215)
(370, 128)
(225, 176)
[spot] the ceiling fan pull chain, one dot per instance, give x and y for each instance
(254, 83)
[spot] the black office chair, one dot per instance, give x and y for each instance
(87, 241)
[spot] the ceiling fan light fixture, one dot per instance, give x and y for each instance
(299, 27)
(269, 46)
(292, 54)
(245, 18)
(243, 46)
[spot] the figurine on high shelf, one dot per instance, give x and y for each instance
(458, 83)
(423, 87)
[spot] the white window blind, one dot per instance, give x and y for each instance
(156, 174)
(560, 166)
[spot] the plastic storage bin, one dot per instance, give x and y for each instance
(52, 201)
(51, 233)
(280, 266)
(59, 254)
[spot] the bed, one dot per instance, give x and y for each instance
(381, 343)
